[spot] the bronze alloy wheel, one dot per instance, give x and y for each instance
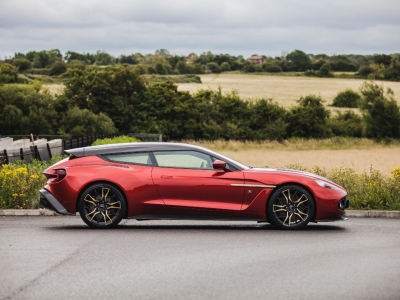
(290, 207)
(102, 206)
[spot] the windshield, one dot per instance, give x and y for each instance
(228, 160)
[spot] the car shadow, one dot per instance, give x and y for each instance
(205, 227)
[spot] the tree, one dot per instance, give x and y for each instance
(10, 119)
(160, 69)
(393, 72)
(175, 114)
(308, 118)
(102, 58)
(181, 67)
(43, 59)
(343, 63)
(82, 122)
(248, 67)
(115, 91)
(128, 59)
(225, 67)
(28, 109)
(381, 113)
(297, 61)
(162, 52)
(213, 67)
(383, 59)
(71, 56)
(325, 71)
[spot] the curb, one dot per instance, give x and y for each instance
(388, 214)
(27, 212)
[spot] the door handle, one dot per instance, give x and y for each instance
(166, 176)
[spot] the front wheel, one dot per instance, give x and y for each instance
(290, 207)
(102, 206)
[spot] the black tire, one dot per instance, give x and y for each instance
(290, 207)
(102, 206)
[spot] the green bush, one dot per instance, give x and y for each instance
(308, 118)
(346, 124)
(311, 73)
(8, 73)
(325, 71)
(274, 68)
(365, 71)
(22, 64)
(57, 68)
(347, 98)
(116, 140)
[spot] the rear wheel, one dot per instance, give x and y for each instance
(290, 207)
(102, 206)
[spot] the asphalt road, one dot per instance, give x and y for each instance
(60, 258)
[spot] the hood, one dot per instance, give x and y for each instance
(294, 172)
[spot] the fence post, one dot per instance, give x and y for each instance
(37, 154)
(49, 150)
(21, 153)
(5, 156)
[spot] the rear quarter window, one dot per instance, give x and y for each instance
(131, 158)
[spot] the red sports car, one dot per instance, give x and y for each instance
(148, 181)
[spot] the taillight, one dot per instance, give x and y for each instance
(56, 176)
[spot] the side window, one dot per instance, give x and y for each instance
(183, 159)
(133, 158)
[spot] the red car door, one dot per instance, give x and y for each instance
(199, 186)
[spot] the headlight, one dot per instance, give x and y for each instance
(326, 185)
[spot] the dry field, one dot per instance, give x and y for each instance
(282, 89)
(54, 88)
(359, 157)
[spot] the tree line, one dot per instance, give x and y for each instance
(54, 63)
(119, 98)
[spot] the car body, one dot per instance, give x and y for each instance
(147, 181)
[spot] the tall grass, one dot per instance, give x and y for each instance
(20, 182)
(367, 190)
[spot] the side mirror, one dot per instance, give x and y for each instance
(219, 165)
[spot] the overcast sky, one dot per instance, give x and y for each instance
(183, 26)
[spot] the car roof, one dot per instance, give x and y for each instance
(148, 147)
(131, 147)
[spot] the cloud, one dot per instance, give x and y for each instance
(184, 26)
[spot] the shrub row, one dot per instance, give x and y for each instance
(98, 101)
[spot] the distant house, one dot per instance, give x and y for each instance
(255, 59)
